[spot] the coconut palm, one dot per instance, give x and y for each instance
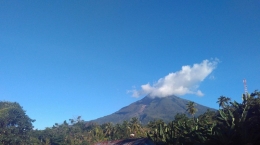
(191, 108)
(223, 101)
(126, 128)
(117, 132)
(135, 125)
(108, 129)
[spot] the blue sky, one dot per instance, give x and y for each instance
(63, 59)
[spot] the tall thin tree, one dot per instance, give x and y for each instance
(191, 108)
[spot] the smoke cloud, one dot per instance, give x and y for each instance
(185, 81)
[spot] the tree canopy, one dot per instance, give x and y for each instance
(15, 125)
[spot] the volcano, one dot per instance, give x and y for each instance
(152, 108)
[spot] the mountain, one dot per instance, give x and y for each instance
(148, 109)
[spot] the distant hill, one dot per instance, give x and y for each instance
(148, 109)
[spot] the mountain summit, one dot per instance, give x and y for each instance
(148, 109)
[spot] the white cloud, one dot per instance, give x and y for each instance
(185, 81)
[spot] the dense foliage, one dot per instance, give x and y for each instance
(234, 123)
(78, 132)
(15, 125)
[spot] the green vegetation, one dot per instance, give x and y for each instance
(234, 123)
(15, 125)
(191, 108)
(79, 132)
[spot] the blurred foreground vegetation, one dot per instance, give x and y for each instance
(234, 123)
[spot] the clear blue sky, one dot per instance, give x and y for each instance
(61, 59)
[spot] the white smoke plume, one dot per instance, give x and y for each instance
(185, 81)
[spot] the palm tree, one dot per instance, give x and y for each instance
(223, 101)
(117, 131)
(135, 125)
(126, 129)
(108, 129)
(97, 133)
(191, 108)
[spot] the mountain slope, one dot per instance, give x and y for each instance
(148, 109)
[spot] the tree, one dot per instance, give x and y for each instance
(15, 125)
(180, 118)
(155, 123)
(135, 126)
(126, 128)
(191, 108)
(223, 101)
(255, 93)
(108, 129)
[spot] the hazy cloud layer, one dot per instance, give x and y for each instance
(185, 81)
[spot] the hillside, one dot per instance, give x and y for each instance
(148, 109)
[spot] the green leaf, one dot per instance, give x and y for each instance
(222, 114)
